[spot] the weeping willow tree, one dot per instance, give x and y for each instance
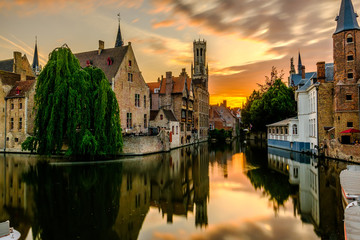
(74, 107)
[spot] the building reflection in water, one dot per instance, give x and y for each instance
(182, 183)
(104, 200)
(110, 200)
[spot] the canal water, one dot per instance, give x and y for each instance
(235, 191)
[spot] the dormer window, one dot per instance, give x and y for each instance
(350, 75)
(349, 39)
(110, 61)
(17, 91)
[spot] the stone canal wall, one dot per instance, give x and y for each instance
(143, 145)
(348, 152)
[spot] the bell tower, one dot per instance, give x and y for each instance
(346, 53)
(199, 69)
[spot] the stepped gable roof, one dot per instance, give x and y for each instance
(169, 115)
(20, 89)
(153, 114)
(153, 85)
(7, 65)
(116, 55)
(9, 78)
(178, 84)
(346, 20)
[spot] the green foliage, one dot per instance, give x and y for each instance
(220, 135)
(74, 107)
(274, 102)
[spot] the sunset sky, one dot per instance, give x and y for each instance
(245, 38)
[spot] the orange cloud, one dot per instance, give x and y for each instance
(164, 23)
(32, 7)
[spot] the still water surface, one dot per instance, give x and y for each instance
(236, 191)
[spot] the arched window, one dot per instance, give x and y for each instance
(295, 129)
(201, 51)
(350, 74)
(277, 130)
(350, 57)
(349, 38)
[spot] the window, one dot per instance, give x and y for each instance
(277, 130)
(12, 106)
(20, 123)
(286, 130)
(350, 74)
(197, 52)
(348, 97)
(144, 101)
(129, 63)
(130, 77)
(137, 100)
(295, 129)
(11, 123)
(173, 130)
(269, 130)
(20, 105)
(349, 124)
(16, 140)
(145, 121)
(349, 39)
(177, 130)
(350, 57)
(129, 120)
(161, 117)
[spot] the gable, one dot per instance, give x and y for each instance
(109, 60)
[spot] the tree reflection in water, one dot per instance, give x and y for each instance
(76, 201)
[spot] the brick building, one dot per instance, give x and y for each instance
(20, 116)
(177, 94)
(121, 69)
(154, 94)
(199, 75)
(15, 72)
(221, 117)
(346, 50)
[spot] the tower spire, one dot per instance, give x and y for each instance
(35, 65)
(346, 20)
(299, 64)
(119, 41)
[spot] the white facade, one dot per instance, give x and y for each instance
(306, 98)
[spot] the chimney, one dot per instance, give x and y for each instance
(224, 103)
(101, 46)
(303, 72)
(321, 71)
(17, 68)
(169, 83)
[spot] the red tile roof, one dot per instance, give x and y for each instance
(153, 85)
(178, 84)
(20, 89)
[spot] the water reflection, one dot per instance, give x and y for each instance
(168, 195)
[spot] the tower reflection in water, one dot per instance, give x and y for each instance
(110, 200)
